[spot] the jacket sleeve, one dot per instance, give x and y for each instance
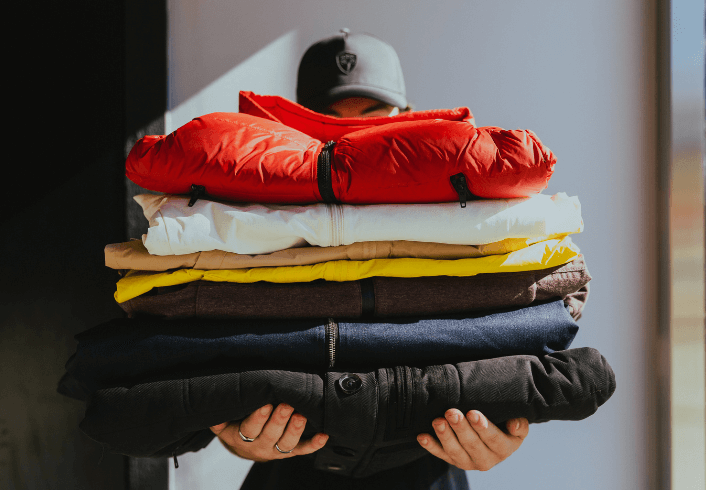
(160, 417)
(234, 156)
(565, 385)
(413, 162)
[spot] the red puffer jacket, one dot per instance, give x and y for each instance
(240, 157)
(327, 128)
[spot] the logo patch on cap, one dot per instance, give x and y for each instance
(346, 62)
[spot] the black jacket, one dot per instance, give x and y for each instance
(372, 417)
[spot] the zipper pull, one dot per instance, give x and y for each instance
(458, 181)
(197, 192)
(176, 463)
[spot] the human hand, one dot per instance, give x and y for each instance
(473, 442)
(283, 428)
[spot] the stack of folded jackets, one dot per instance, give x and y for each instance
(372, 283)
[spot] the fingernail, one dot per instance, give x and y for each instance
(473, 417)
(298, 421)
(517, 424)
(454, 418)
(266, 409)
(441, 427)
(322, 438)
(423, 441)
(286, 410)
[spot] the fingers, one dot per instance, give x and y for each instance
(253, 424)
(274, 427)
(493, 438)
(470, 441)
(433, 447)
(290, 438)
(267, 428)
(313, 444)
(250, 427)
(473, 442)
(450, 440)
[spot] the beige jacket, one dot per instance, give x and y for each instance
(134, 255)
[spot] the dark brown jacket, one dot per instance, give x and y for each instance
(378, 297)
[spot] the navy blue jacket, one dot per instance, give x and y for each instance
(130, 349)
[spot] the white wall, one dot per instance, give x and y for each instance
(577, 73)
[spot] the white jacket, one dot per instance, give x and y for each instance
(177, 229)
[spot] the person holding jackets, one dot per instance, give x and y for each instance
(358, 75)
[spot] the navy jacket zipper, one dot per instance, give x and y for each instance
(331, 341)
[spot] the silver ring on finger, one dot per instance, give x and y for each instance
(244, 438)
(283, 452)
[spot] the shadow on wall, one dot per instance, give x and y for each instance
(216, 49)
(272, 70)
(208, 40)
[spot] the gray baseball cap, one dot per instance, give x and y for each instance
(350, 65)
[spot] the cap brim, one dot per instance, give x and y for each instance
(341, 92)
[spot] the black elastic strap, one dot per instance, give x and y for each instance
(323, 173)
(367, 293)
